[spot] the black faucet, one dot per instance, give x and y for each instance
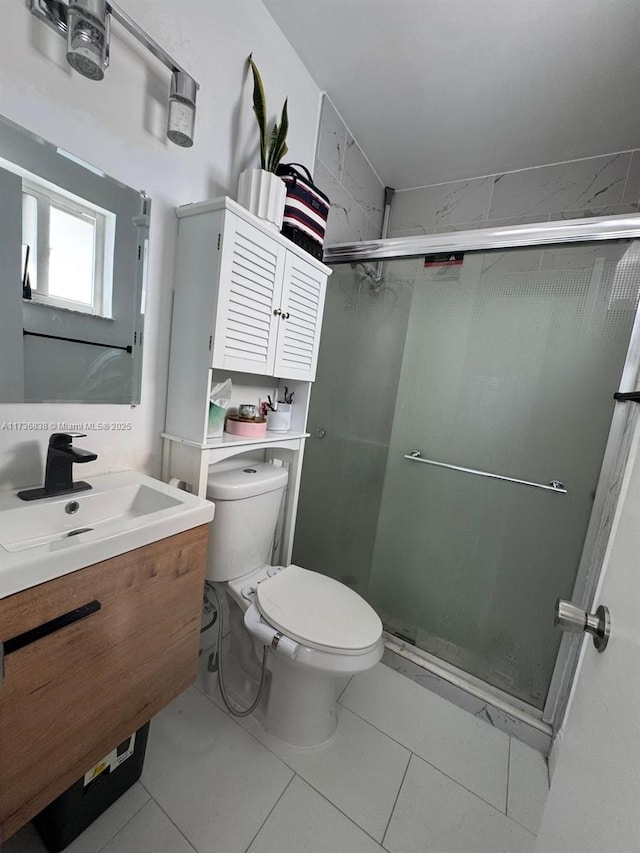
(58, 477)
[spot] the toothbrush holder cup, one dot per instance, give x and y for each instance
(280, 420)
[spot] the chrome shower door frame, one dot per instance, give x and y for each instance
(624, 416)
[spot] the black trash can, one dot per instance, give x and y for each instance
(62, 821)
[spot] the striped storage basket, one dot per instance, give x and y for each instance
(305, 211)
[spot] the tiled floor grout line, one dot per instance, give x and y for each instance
(257, 740)
(399, 743)
(310, 784)
(424, 678)
(522, 826)
(137, 812)
(338, 809)
(395, 802)
(170, 819)
(426, 761)
(270, 813)
(250, 734)
(486, 802)
(295, 772)
(343, 689)
(204, 693)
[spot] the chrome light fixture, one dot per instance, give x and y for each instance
(88, 37)
(85, 24)
(182, 109)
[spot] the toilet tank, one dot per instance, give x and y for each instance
(247, 504)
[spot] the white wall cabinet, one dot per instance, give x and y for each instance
(252, 297)
(247, 302)
(269, 306)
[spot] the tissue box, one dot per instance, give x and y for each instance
(215, 426)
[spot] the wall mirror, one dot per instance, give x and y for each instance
(73, 252)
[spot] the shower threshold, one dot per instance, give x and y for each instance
(494, 706)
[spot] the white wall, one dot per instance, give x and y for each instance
(118, 125)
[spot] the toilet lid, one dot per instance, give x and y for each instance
(317, 611)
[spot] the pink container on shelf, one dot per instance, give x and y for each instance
(246, 428)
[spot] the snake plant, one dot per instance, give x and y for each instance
(273, 146)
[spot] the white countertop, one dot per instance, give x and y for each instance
(34, 542)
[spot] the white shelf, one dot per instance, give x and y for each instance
(188, 461)
(229, 441)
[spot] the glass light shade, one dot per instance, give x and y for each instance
(181, 121)
(87, 37)
(182, 109)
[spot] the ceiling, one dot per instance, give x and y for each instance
(442, 90)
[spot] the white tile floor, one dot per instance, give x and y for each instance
(407, 772)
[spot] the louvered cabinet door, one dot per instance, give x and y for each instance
(301, 320)
(251, 273)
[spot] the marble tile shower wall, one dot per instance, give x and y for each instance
(596, 186)
(346, 176)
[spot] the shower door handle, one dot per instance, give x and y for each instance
(573, 619)
(632, 396)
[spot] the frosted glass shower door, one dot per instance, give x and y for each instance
(350, 420)
(510, 365)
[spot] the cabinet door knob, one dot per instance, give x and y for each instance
(277, 312)
(286, 316)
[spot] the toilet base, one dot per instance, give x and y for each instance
(300, 697)
(301, 708)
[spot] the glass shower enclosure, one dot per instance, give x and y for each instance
(461, 413)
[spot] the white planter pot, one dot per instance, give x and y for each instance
(263, 194)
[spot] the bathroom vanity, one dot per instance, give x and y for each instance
(94, 651)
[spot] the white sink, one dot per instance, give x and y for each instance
(38, 523)
(44, 539)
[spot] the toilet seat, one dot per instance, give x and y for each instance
(318, 612)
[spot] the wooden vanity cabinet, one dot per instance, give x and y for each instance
(68, 698)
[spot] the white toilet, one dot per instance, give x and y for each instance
(318, 629)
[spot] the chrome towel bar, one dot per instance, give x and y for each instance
(553, 486)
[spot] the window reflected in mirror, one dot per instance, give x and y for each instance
(73, 249)
(67, 249)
